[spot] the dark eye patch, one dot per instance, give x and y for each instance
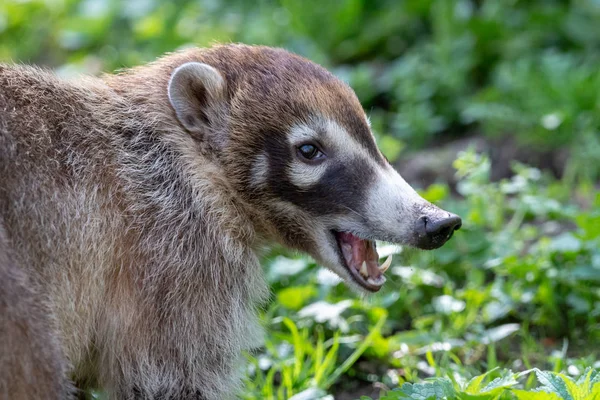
(343, 186)
(342, 189)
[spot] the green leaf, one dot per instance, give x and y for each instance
(506, 381)
(565, 242)
(553, 383)
(295, 298)
(594, 375)
(435, 193)
(298, 345)
(391, 147)
(594, 394)
(474, 385)
(528, 395)
(439, 388)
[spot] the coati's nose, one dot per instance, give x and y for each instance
(434, 232)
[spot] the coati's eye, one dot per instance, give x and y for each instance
(310, 151)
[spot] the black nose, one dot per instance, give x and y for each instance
(435, 231)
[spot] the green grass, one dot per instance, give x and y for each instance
(505, 385)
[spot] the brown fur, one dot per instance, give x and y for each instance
(129, 238)
(132, 232)
(31, 363)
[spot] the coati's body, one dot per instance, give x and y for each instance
(129, 229)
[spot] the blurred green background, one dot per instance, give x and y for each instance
(490, 108)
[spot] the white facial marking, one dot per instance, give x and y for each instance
(332, 135)
(301, 174)
(343, 143)
(391, 203)
(301, 133)
(304, 175)
(260, 171)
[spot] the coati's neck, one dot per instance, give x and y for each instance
(203, 268)
(151, 123)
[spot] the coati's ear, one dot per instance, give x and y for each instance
(195, 90)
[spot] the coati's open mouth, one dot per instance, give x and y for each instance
(362, 261)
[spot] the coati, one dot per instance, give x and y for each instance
(132, 207)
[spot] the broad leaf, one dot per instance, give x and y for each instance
(506, 381)
(440, 388)
(553, 383)
(527, 395)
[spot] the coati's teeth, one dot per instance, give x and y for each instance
(384, 267)
(363, 270)
(380, 281)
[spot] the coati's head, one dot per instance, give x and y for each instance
(298, 148)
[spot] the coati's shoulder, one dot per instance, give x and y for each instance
(17, 75)
(32, 95)
(26, 85)
(50, 125)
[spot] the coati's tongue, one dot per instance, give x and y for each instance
(362, 256)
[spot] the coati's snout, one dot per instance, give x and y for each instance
(298, 148)
(436, 229)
